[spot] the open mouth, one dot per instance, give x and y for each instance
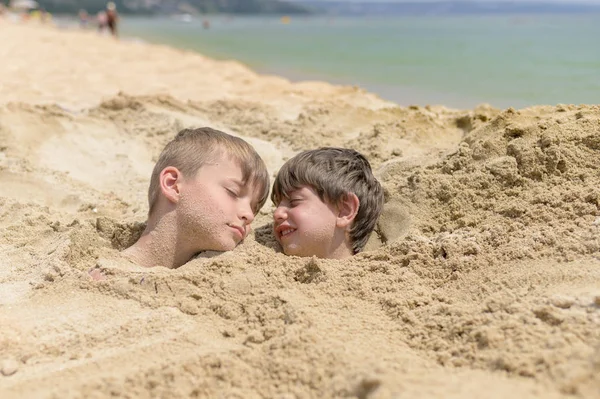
(286, 232)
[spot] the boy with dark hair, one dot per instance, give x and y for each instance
(328, 203)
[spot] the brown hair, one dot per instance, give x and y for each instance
(333, 173)
(192, 148)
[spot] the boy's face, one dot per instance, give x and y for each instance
(306, 226)
(215, 208)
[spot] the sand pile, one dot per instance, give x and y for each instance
(483, 278)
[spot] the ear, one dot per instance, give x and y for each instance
(170, 179)
(347, 210)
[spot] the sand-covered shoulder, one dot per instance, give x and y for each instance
(483, 279)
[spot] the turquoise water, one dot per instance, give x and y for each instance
(455, 61)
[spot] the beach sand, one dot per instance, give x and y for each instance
(483, 279)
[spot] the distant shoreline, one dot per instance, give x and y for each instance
(401, 95)
(465, 91)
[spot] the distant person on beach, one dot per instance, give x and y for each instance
(44, 15)
(108, 19)
(101, 20)
(83, 18)
(328, 203)
(205, 190)
(112, 18)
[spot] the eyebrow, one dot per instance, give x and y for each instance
(237, 181)
(296, 194)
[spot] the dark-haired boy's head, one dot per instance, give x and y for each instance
(328, 203)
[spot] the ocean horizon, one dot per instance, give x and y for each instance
(456, 61)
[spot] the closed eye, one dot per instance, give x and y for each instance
(231, 192)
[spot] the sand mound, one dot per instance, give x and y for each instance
(482, 279)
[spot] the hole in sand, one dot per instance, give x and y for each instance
(120, 235)
(264, 236)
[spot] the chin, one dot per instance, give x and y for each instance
(294, 252)
(228, 247)
(222, 246)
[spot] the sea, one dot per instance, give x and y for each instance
(456, 61)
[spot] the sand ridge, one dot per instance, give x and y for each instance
(481, 280)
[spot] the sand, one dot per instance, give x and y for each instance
(482, 280)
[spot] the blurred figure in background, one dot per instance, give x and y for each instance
(45, 16)
(112, 18)
(83, 18)
(101, 19)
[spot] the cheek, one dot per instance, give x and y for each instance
(206, 202)
(321, 231)
(199, 210)
(316, 224)
(191, 211)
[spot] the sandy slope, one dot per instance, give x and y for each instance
(483, 280)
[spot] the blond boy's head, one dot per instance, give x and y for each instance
(205, 190)
(343, 180)
(193, 148)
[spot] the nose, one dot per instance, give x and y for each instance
(246, 214)
(280, 213)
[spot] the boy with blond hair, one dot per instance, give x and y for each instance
(328, 203)
(205, 190)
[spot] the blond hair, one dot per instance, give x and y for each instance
(334, 173)
(192, 148)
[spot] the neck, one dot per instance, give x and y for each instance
(159, 245)
(341, 247)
